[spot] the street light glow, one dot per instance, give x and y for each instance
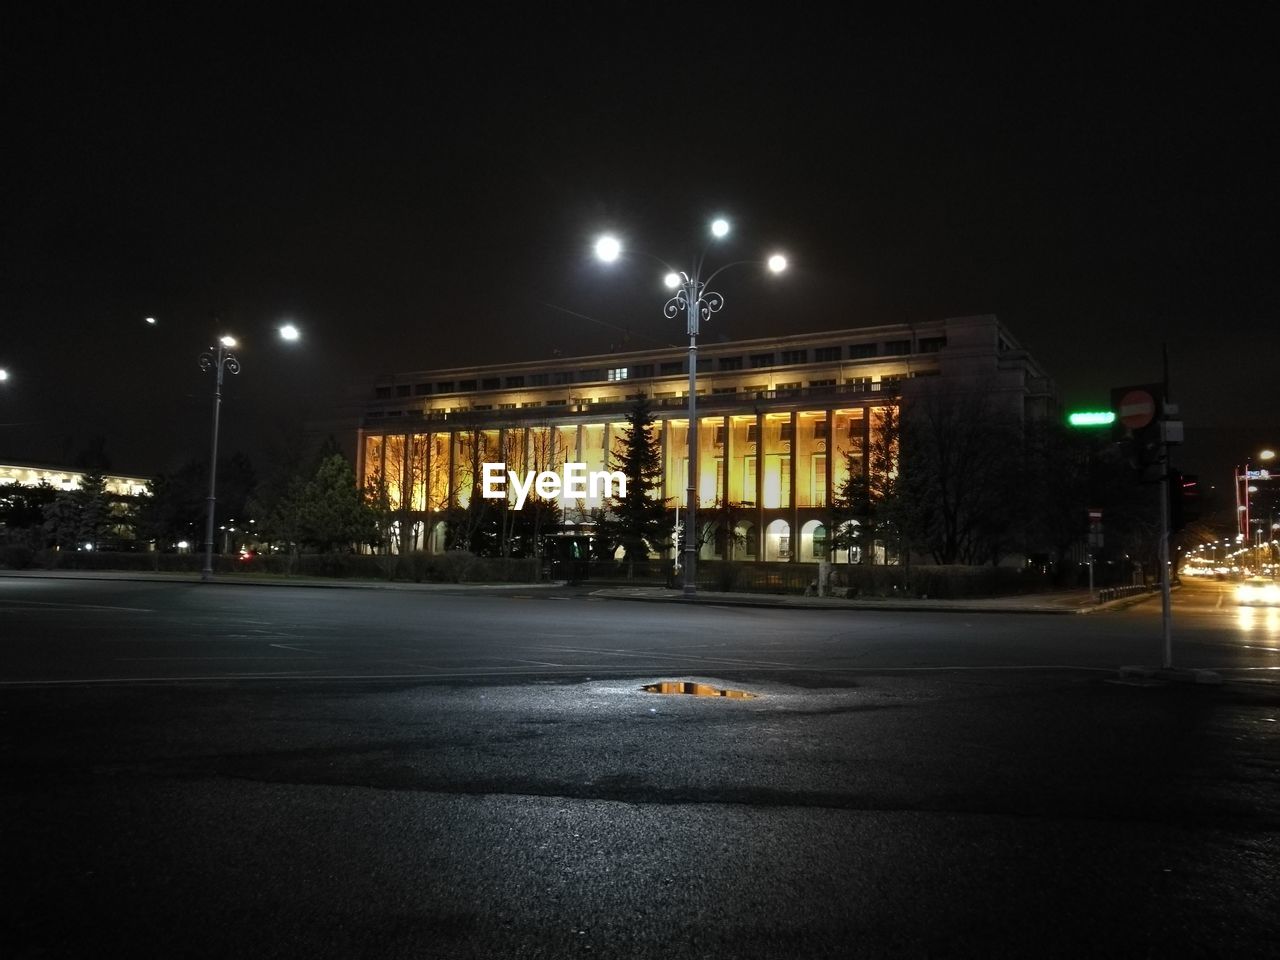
(672, 280)
(151, 321)
(289, 332)
(4, 374)
(608, 248)
(719, 227)
(1266, 455)
(227, 341)
(777, 263)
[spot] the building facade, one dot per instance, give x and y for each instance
(62, 479)
(781, 422)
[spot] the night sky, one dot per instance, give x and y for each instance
(424, 194)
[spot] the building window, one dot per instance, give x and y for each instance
(422, 389)
(795, 356)
(467, 384)
(730, 363)
(534, 403)
(785, 432)
(642, 370)
(402, 390)
(759, 360)
(513, 382)
(483, 406)
(931, 344)
(618, 373)
(820, 538)
(557, 403)
(897, 348)
(790, 386)
(704, 364)
(444, 386)
(490, 383)
(822, 383)
(859, 384)
(586, 376)
(506, 406)
(539, 379)
(826, 354)
(672, 366)
(820, 429)
(561, 377)
(382, 392)
(860, 351)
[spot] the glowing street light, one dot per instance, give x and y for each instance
(697, 302)
(4, 374)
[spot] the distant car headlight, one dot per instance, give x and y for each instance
(1267, 594)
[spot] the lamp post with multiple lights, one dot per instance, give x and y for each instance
(219, 358)
(1244, 505)
(694, 298)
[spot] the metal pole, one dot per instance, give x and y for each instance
(206, 573)
(691, 538)
(1165, 596)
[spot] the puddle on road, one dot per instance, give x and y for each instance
(696, 690)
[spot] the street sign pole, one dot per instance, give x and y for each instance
(1095, 540)
(1166, 599)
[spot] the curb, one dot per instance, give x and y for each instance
(887, 606)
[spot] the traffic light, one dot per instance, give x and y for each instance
(1091, 418)
(1184, 499)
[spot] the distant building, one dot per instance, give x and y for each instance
(62, 478)
(781, 420)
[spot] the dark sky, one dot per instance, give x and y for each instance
(424, 193)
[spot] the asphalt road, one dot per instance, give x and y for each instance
(281, 771)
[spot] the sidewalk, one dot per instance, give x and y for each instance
(1066, 602)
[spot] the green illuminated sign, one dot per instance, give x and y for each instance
(1092, 418)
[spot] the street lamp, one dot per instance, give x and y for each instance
(219, 358)
(697, 302)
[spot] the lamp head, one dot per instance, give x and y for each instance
(608, 248)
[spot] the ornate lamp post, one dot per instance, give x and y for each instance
(693, 298)
(217, 359)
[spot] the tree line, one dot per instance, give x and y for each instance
(948, 478)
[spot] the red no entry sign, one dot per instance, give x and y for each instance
(1137, 409)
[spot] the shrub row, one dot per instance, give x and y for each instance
(944, 583)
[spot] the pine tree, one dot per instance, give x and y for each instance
(637, 521)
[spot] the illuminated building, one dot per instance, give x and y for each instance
(63, 479)
(781, 421)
